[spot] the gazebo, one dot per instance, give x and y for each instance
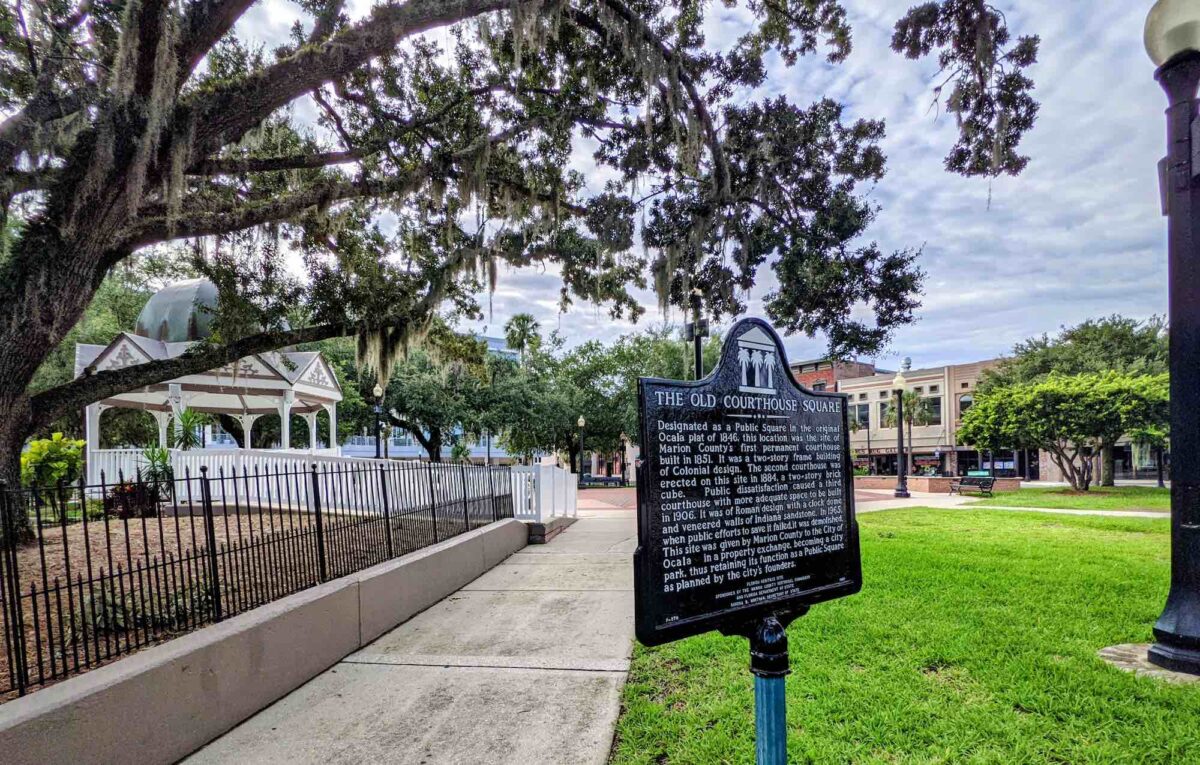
(279, 382)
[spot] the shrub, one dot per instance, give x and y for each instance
(50, 460)
(130, 499)
(158, 470)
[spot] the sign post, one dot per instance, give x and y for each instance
(745, 511)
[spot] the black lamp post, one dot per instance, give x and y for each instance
(581, 423)
(378, 418)
(898, 382)
(695, 331)
(1173, 41)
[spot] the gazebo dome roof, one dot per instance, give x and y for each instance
(180, 312)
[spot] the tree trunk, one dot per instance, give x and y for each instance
(909, 456)
(1108, 466)
(433, 445)
(14, 412)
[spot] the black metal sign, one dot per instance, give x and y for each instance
(745, 495)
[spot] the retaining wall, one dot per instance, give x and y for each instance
(163, 703)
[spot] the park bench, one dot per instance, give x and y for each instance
(973, 483)
(601, 480)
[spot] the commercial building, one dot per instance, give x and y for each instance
(947, 392)
(823, 374)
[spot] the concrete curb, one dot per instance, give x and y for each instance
(540, 533)
(163, 703)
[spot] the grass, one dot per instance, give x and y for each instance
(1137, 498)
(974, 640)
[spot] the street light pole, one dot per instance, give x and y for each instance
(696, 331)
(581, 423)
(901, 473)
(1173, 41)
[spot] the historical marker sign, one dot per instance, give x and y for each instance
(745, 495)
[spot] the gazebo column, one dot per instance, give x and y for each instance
(247, 421)
(175, 399)
(310, 418)
(331, 409)
(164, 420)
(285, 419)
(91, 437)
(91, 426)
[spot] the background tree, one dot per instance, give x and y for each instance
(522, 333)
(657, 352)
(1111, 344)
(435, 393)
(1069, 417)
(138, 123)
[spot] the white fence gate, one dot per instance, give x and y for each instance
(542, 492)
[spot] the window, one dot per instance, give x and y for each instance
(862, 396)
(818, 386)
(964, 403)
(933, 389)
(884, 408)
(885, 393)
(918, 390)
(933, 407)
(861, 414)
(966, 385)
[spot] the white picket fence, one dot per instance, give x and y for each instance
(542, 492)
(539, 492)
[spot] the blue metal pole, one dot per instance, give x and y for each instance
(769, 663)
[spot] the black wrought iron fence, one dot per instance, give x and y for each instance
(89, 573)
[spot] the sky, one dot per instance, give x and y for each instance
(1078, 235)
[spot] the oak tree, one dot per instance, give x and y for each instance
(129, 123)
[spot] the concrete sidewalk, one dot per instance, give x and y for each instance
(523, 665)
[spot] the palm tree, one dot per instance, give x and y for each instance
(522, 332)
(916, 412)
(187, 429)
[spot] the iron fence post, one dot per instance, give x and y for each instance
(322, 570)
(210, 536)
(462, 473)
(492, 492)
(387, 517)
(432, 500)
(12, 581)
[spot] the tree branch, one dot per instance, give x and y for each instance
(243, 215)
(17, 132)
(206, 23)
(223, 115)
(241, 165)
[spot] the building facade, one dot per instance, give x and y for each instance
(947, 393)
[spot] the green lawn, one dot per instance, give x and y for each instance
(1099, 498)
(974, 640)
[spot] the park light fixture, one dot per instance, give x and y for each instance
(378, 391)
(1172, 28)
(1173, 42)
